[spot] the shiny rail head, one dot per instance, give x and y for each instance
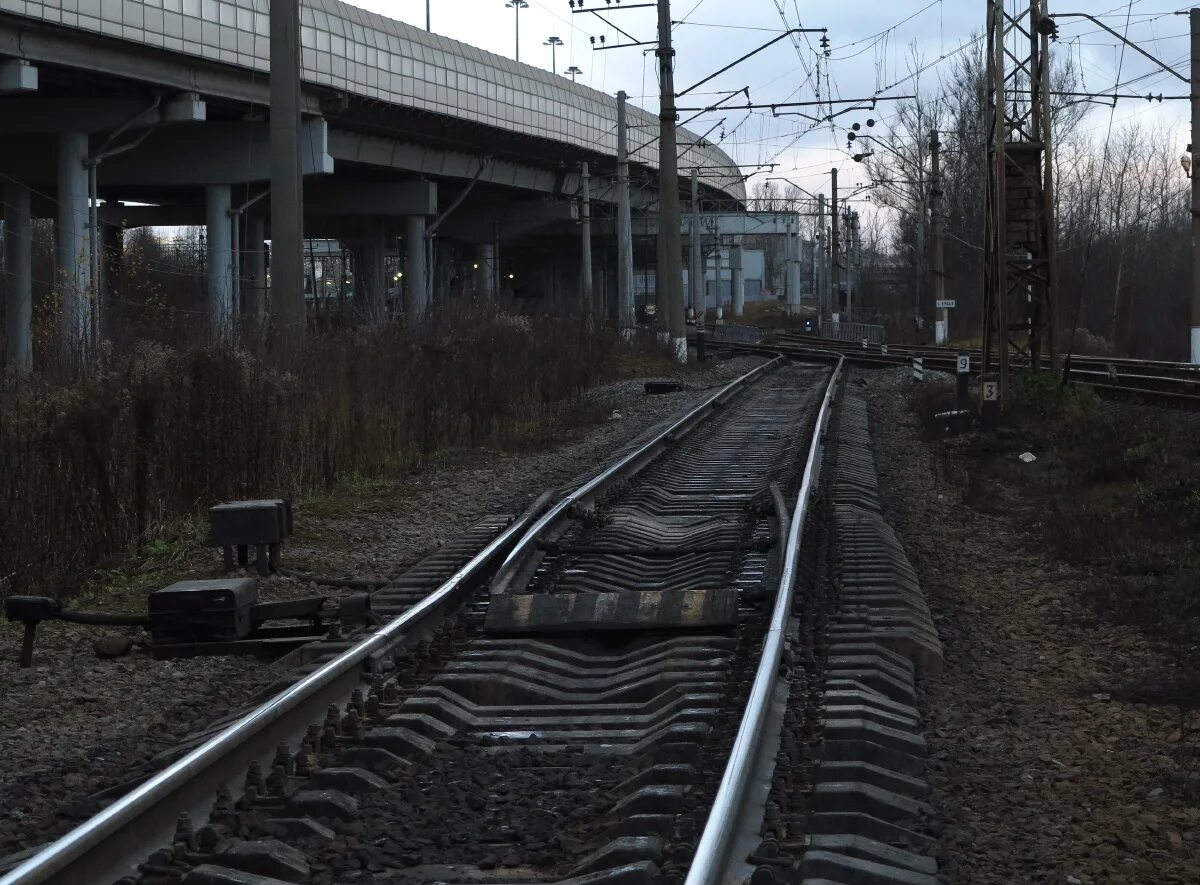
(59, 860)
(715, 854)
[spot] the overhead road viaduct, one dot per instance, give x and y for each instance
(164, 104)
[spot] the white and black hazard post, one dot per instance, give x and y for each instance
(963, 367)
(918, 368)
(989, 407)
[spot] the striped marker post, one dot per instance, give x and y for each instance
(918, 368)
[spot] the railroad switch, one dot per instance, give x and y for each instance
(214, 617)
(238, 525)
(203, 611)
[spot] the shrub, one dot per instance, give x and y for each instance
(1037, 396)
(95, 467)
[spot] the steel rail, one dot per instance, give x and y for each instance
(939, 351)
(712, 860)
(100, 846)
(103, 845)
(623, 469)
(1170, 389)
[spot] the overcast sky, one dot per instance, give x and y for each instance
(870, 42)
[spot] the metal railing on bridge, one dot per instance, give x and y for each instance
(733, 333)
(852, 332)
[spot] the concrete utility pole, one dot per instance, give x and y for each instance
(516, 6)
(787, 268)
(920, 256)
(288, 310)
(835, 257)
(585, 218)
(624, 224)
(719, 310)
(851, 255)
(1194, 17)
(823, 308)
(941, 330)
(18, 268)
(696, 266)
(670, 238)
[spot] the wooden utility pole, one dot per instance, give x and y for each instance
(670, 237)
(288, 312)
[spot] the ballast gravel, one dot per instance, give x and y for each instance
(1039, 771)
(76, 724)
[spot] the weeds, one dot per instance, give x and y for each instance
(96, 468)
(1117, 486)
(1037, 396)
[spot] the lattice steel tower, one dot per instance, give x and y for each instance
(1019, 272)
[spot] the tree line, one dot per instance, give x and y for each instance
(1122, 204)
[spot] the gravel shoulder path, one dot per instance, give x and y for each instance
(75, 724)
(1040, 771)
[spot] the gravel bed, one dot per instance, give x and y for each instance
(1042, 770)
(76, 724)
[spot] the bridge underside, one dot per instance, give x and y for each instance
(422, 207)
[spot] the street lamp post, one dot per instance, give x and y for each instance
(553, 43)
(516, 6)
(574, 71)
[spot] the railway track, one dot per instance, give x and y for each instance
(479, 729)
(1157, 381)
(627, 684)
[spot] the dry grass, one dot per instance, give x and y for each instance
(97, 468)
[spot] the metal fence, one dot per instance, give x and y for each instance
(735, 334)
(852, 332)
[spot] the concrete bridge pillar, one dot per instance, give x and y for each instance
(254, 293)
(72, 258)
(370, 275)
(416, 292)
(220, 262)
(738, 278)
(18, 266)
(486, 272)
